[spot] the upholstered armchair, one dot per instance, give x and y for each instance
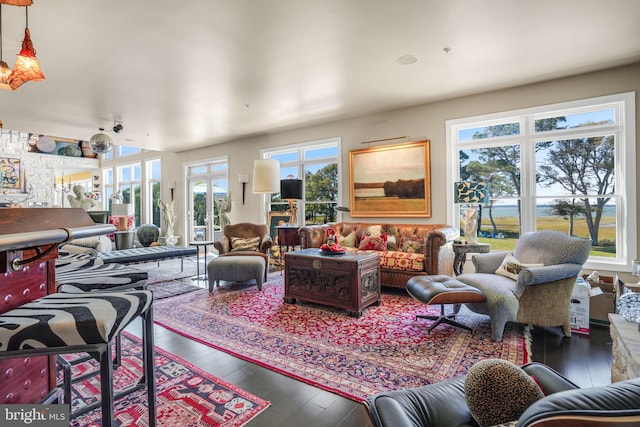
(542, 273)
(245, 239)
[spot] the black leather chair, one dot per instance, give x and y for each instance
(444, 404)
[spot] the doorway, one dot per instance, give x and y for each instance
(208, 185)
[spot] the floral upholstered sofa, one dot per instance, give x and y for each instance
(406, 250)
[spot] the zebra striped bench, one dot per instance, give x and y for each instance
(148, 254)
(84, 273)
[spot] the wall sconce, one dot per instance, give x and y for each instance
(243, 179)
(172, 186)
(266, 176)
(291, 190)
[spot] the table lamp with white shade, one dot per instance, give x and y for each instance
(471, 193)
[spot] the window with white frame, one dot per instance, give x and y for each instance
(108, 190)
(129, 182)
(567, 167)
(154, 187)
(209, 202)
(316, 164)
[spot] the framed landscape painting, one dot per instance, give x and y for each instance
(391, 181)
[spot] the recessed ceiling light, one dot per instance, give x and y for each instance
(407, 59)
(446, 49)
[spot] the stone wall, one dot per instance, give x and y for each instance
(39, 170)
(626, 349)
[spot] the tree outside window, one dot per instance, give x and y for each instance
(547, 171)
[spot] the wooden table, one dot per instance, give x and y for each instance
(462, 249)
(350, 281)
(287, 238)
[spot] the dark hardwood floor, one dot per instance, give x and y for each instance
(585, 360)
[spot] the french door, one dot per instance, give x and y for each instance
(207, 185)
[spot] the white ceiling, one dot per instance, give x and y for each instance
(187, 74)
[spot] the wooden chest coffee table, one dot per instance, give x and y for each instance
(350, 281)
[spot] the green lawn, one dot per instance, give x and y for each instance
(509, 226)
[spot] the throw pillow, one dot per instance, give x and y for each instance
(348, 241)
(412, 246)
(378, 243)
(510, 267)
(497, 391)
(239, 244)
(378, 230)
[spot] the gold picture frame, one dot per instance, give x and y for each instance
(391, 180)
(276, 219)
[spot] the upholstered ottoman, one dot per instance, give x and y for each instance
(236, 268)
(441, 289)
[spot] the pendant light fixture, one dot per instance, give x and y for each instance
(5, 71)
(101, 143)
(27, 67)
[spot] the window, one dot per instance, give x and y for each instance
(154, 192)
(123, 150)
(567, 167)
(209, 203)
(129, 180)
(107, 188)
(316, 164)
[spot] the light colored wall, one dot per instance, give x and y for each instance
(419, 122)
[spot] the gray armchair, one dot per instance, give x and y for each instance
(540, 295)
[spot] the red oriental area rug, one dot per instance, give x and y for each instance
(185, 394)
(385, 349)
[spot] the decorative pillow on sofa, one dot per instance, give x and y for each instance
(240, 244)
(348, 241)
(497, 391)
(510, 267)
(378, 243)
(412, 246)
(378, 230)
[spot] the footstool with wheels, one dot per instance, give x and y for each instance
(441, 289)
(236, 268)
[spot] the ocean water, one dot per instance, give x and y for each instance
(541, 211)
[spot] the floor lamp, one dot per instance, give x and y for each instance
(471, 193)
(291, 190)
(266, 176)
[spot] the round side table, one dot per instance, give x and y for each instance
(462, 249)
(197, 244)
